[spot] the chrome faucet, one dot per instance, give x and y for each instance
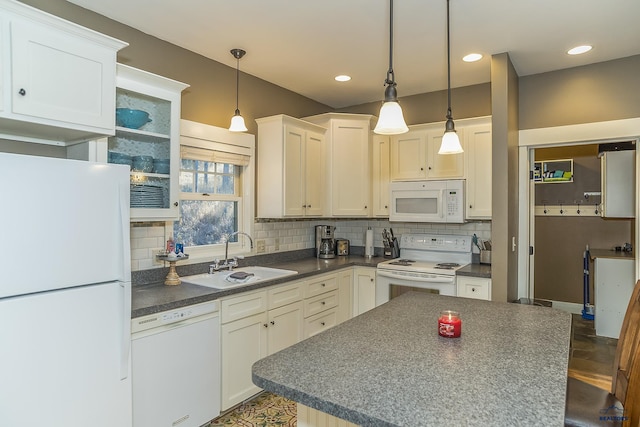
(228, 263)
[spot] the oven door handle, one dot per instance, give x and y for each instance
(438, 279)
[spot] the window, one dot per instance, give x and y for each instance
(210, 202)
(216, 193)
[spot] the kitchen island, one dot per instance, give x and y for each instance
(390, 367)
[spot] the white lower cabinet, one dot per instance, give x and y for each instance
(473, 287)
(284, 327)
(243, 341)
(321, 304)
(364, 289)
(309, 417)
(256, 324)
(613, 286)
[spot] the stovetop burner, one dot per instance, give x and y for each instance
(446, 266)
(402, 262)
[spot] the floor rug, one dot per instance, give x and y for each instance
(265, 410)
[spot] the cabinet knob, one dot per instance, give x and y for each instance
(265, 325)
(429, 167)
(323, 285)
(273, 322)
(308, 206)
(175, 204)
(386, 207)
(421, 169)
(473, 289)
(371, 279)
(470, 206)
(304, 206)
(322, 323)
(22, 92)
(323, 302)
(365, 207)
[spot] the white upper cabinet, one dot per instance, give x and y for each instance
(348, 163)
(408, 155)
(478, 151)
(414, 155)
(291, 168)
(448, 166)
(153, 149)
(380, 175)
(57, 78)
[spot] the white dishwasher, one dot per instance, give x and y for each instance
(176, 367)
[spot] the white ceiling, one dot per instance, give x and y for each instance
(302, 44)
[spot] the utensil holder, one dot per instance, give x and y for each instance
(485, 257)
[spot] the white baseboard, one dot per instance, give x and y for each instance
(571, 307)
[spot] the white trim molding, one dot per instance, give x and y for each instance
(586, 132)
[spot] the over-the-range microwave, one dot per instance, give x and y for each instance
(427, 201)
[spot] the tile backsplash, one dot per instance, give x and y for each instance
(282, 236)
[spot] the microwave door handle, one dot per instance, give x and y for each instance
(443, 202)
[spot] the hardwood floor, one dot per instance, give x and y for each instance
(591, 357)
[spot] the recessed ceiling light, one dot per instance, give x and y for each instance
(342, 78)
(472, 57)
(580, 49)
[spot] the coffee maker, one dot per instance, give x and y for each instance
(325, 243)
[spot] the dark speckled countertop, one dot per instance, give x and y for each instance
(150, 295)
(389, 367)
(476, 270)
(155, 297)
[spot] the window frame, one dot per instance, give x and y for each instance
(209, 137)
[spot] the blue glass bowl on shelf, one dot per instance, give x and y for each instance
(132, 119)
(120, 158)
(161, 166)
(142, 163)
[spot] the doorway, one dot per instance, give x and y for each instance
(562, 136)
(567, 221)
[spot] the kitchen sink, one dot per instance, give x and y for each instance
(226, 279)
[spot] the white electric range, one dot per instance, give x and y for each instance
(428, 262)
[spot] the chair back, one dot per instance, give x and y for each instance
(625, 384)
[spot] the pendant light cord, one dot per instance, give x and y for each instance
(390, 75)
(448, 67)
(237, 82)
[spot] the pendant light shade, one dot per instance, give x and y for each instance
(450, 141)
(237, 122)
(390, 121)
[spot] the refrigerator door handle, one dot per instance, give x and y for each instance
(125, 345)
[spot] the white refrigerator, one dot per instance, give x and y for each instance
(65, 293)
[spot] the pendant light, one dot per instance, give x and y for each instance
(237, 122)
(450, 141)
(390, 121)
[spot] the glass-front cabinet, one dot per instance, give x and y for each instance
(147, 139)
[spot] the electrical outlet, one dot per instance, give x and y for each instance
(277, 244)
(260, 246)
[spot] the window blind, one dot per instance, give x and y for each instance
(194, 153)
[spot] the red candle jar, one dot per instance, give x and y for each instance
(449, 324)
